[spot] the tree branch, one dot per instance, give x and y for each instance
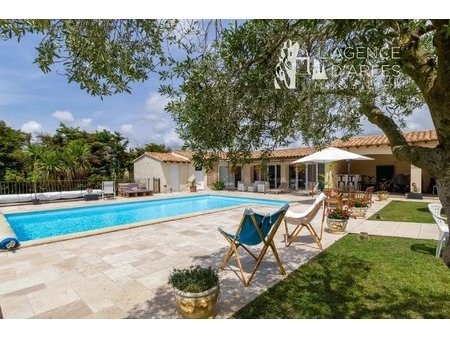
(419, 156)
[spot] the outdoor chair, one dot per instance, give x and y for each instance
(241, 186)
(303, 220)
(435, 209)
(254, 229)
(282, 188)
(108, 189)
(368, 195)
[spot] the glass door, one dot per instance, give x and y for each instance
(237, 175)
(274, 172)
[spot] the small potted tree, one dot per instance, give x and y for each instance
(359, 208)
(196, 291)
(337, 220)
(193, 185)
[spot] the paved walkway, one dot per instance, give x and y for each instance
(124, 274)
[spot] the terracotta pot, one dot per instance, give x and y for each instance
(359, 212)
(382, 195)
(197, 305)
(193, 189)
(337, 225)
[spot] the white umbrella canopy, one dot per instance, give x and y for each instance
(331, 154)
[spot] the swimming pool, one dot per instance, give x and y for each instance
(42, 224)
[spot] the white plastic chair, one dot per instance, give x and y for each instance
(435, 209)
(108, 189)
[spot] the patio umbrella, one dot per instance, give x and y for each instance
(332, 154)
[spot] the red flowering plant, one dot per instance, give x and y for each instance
(359, 203)
(338, 213)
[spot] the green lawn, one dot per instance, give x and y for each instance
(381, 277)
(401, 211)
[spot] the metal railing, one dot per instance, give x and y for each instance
(14, 188)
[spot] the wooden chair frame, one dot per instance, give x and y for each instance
(305, 223)
(268, 242)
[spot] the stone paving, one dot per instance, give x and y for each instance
(124, 274)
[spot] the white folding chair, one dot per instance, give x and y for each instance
(435, 209)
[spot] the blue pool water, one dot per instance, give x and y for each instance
(42, 224)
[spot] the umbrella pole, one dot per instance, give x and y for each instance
(348, 175)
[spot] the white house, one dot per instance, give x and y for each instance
(174, 169)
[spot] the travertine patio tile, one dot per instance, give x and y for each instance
(25, 291)
(7, 273)
(69, 264)
(95, 268)
(155, 279)
(409, 230)
(37, 277)
(123, 258)
(76, 309)
(135, 293)
(429, 231)
(111, 312)
(45, 300)
(121, 271)
(16, 306)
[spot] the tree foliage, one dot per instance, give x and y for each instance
(12, 142)
(68, 154)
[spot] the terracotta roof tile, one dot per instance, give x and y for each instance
(169, 157)
(286, 153)
(378, 140)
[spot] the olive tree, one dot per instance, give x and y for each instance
(239, 96)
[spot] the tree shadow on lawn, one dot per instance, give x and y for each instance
(424, 249)
(338, 286)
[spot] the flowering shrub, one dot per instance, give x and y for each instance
(359, 203)
(338, 214)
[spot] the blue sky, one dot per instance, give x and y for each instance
(36, 102)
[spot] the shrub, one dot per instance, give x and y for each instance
(218, 185)
(195, 279)
(360, 203)
(338, 214)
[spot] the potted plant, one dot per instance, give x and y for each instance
(359, 208)
(196, 291)
(382, 195)
(414, 194)
(337, 220)
(193, 185)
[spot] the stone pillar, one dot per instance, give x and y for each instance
(416, 177)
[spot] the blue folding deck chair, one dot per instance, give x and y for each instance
(253, 230)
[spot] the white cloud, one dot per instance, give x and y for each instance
(127, 128)
(63, 116)
(101, 128)
(155, 105)
(31, 127)
(172, 140)
(84, 123)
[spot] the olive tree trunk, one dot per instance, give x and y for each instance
(443, 186)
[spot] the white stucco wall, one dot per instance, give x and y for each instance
(147, 167)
